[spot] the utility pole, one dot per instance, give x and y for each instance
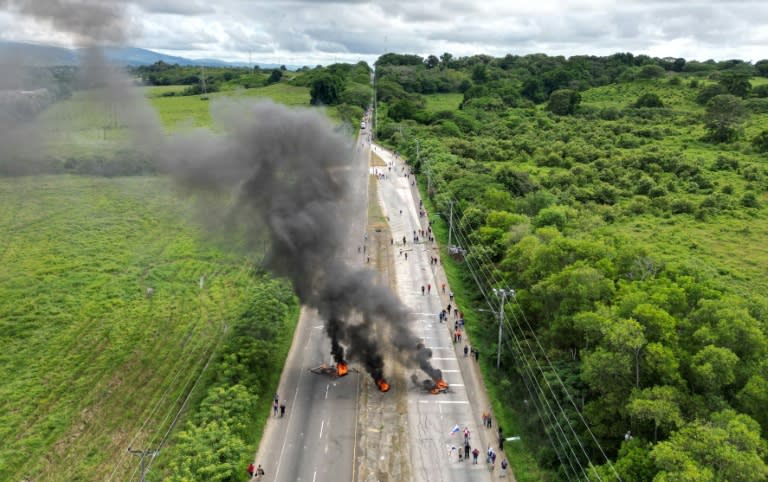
(501, 293)
(142, 454)
(450, 223)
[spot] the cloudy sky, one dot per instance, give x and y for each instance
(308, 32)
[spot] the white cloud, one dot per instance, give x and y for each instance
(319, 31)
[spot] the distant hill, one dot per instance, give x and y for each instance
(45, 55)
(36, 55)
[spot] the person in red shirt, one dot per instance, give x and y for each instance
(251, 469)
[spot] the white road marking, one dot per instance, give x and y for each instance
(454, 358)
(322, 425)
(450, 371)
(314, 476)
(326, 391)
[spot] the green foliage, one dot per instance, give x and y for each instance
(325, 90)
(275, 76)
(760, 141)
(649, 99)
(726, 448)
(736, 83)
(724, 115)
(357, 95)
(617, 226)
(563, 101)
(710, 91)
(89, 354)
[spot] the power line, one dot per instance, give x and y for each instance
(541, 394)
(489, 278)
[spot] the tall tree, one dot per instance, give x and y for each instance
(724, 115)
(726, 448)
(660, 405)
(564, 101)
(325, 90)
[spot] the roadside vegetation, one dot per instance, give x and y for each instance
(624, 199)
(121, 320)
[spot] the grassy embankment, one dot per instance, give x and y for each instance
(91, 362)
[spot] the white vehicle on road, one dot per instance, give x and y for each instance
(362, 125)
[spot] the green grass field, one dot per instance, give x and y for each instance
(178, 112)
(443, 102)
(91, 364)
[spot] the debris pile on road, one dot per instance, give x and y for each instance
(333, 371)
(431, 386)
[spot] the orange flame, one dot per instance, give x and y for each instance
(383, 385)
(341, 369)
(440, 385)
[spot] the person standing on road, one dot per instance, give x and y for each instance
(466, 351)
(251, 470)
(475, 454)
(504, 465)
(466, 451)
(282, 409)
(274, 408)
(422, 290)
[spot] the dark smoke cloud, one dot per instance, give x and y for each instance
(291, 172)
(92, 22)
(288, 173)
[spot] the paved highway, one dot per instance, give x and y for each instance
(431, 418)
(316, 440)
(340, 430)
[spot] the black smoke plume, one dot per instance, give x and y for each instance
(290, 172)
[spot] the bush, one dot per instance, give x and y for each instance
(555, 216)
(749, 200)
(563, 101)
(760, 142)
(708, 92)
(650, 100)
(723, 163)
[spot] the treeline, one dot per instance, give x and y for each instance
(550, 165)
(346, 86)
(208, 79)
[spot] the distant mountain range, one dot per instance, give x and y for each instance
(46, 55)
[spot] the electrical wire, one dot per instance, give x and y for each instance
(478, 269)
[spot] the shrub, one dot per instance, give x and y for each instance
(708, 92)
(749, 200)
(650, 100)
(555, 216)
(563, 101)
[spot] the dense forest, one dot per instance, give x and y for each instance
(623, 199)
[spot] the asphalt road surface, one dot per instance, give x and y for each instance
(320, 436)
(316, 440)
(431, 418)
